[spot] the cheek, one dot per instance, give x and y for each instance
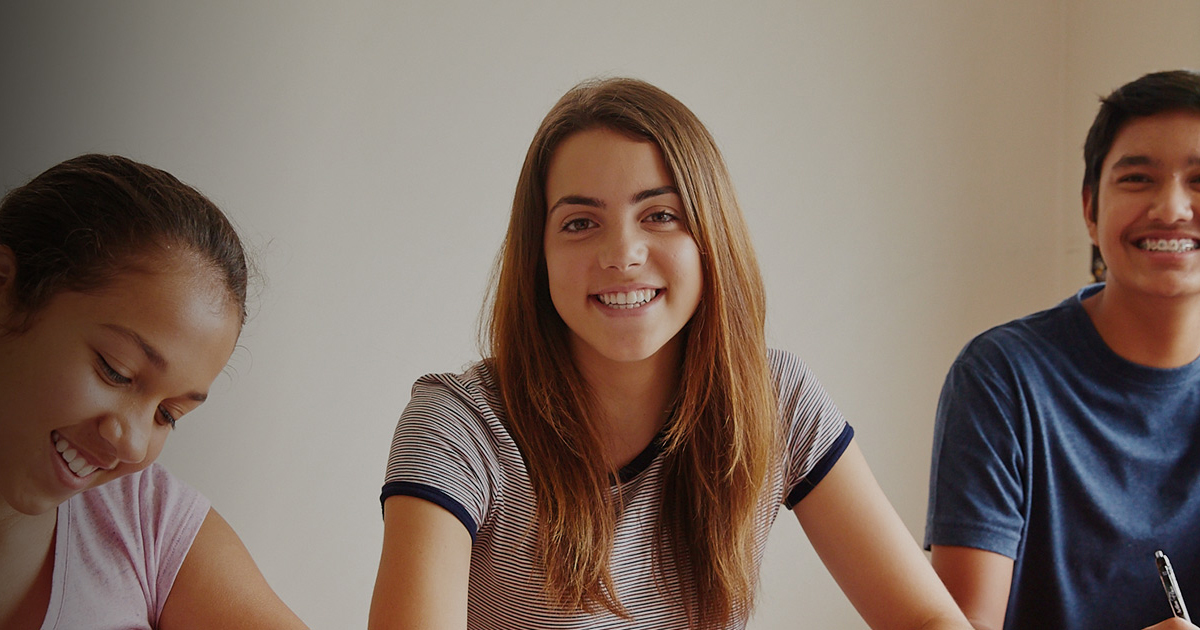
(66, 397)
(560, 276)
(688, 269)
(1108, 230)
(157, 441)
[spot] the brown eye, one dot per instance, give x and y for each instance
(577, 225)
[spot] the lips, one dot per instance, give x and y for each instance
(74, 460)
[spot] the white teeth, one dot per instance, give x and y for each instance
(77, 464)
(1174, 245)
(631, 299)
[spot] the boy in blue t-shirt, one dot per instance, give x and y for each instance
(1067, 445)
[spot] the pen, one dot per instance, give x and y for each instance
(1167, 575)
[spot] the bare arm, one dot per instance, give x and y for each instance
(870, 552)
(423, 570)
(978, 580)
(219, 586)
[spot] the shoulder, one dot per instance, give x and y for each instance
(122, 544)
(803, 403)
(814, 432)
(1000, 379)
(471, 392)
(119, 547)
(464, 408)
(1031, 340)
(788, 369)
(143, 500)
(798, 389)
(450, 445)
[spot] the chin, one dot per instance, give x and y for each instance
(635, 355)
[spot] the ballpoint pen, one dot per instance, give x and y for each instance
(1167, 575)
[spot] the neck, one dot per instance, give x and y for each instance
(19, 532)
(632, 398)
(1160, 332)
(26, 566)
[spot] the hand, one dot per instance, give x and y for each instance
(1174, 623)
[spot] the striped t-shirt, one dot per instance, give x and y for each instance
(451, 448)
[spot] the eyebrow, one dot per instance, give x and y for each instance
(1128, 161)
(152, 354)
(593, 202)
(655, 192)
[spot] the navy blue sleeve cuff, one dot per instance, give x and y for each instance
(822, 468)
(434, 496)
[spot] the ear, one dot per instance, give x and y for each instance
(1087, 214)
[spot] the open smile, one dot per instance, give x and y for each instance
(1172, 245)
(74, 460)
(628, 299)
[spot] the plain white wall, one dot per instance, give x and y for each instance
(909, 169)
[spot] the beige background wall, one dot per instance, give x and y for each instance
(910, 171)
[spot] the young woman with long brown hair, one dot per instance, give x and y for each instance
(618, 459)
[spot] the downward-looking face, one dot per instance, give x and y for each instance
(624, 272)
(91, 390)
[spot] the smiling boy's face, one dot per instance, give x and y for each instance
(1147, 220)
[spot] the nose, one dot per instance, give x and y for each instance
(624, 247)
(1175, 203)
(128, 434)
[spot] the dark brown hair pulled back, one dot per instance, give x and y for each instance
(83, 221)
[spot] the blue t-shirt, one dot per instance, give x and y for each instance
(1078, 464)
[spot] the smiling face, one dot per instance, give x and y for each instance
(1146, 224)
(624, 272)
(90, 390)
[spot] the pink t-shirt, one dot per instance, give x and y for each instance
(118, 548)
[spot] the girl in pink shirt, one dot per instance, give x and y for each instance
(122, 294)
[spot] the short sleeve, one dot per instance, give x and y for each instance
(123, 545)
(976, 492)
(441, 451)
(174, 515)
(815, 433)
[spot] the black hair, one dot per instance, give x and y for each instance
(1151, 94)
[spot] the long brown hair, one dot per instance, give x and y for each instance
(722, 438)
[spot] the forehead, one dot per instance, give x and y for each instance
(1163, 137)
(173, 298)
(600, 158)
